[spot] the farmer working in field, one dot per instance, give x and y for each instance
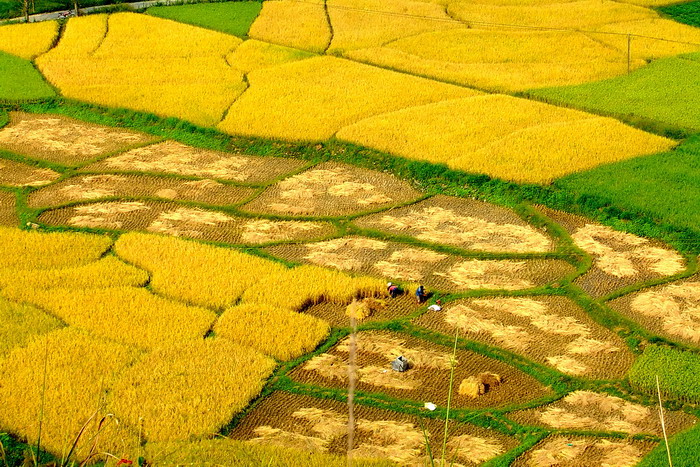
(421, 296)
(393, 289)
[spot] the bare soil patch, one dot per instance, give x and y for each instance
(435, 270)
(619, 259)
(551, 330)
(586, 410)
(578, 451)
(333, 189)
(93, 187)
(671, 310)
(310, 424)
(64, 140)
(428, 376)
(177, 158)
(8, 214)
(183, 221)
(393, 308)
(17, 174)
(466, 223)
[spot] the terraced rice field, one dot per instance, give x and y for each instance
(210, 224)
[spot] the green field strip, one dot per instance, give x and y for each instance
(21, 81)
(234, 17)
(685, 12)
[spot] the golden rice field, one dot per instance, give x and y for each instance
(254, 55)
(301, 25)
(28, 40)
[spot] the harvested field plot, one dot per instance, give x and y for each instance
(177, 158)
(286, 420)
(310, 100)
(64, 140)
(671, 310)
(152, 393)
(332, 189)
(576, 451)
(466, 223)
(8, 214)
(381, 309)
(182, 221)
(18, 174)
(550, 330)
(502, 136)
(294, 24)
(435, 270)
(619, 258)
(79, 370)
(429, 372)
(93, 187)
(182, 73)
(591, 411)
(130, 315)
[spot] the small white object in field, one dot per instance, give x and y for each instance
(435, 307)
(430, 406)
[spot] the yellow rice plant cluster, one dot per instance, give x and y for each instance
(33, 250)
(648, 49)
(302, 25)
(502, 59)
(107, 272)
(311, 284)
(280, 332)
(189, 389)
(193, 272)
(28, 40)
(386, 20)
(504, 137)
(182, 71)
(79, 369)
(313, 99)
(123, 314)
(254, 55)
(20, 323)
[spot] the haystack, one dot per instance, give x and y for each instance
(472, 387)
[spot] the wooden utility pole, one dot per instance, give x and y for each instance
(75, 6)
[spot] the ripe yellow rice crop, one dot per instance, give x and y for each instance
(79, 368)
(33, 250)
(28, 40)
(189, 389)
(107, 272)
(193, 272)
(254, 55)
(312, 99)
(355, 29)
(502, 59)
(82, 36)
(583, 14)
(647, 49)
(310, 284)
(182, 71)
(280, 332)
(514, 139)
(123, 314)
(302, 25)
(20, 323)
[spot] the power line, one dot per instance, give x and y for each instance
(469, 23)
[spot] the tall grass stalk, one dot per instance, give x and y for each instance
(37, 459)
(449, 399)
(663, 422)
(351, 388)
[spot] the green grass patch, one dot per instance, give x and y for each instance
(677, 371)
(688, 13)
(664, 91)
(19, 80)
(229, 17)
(684, 451)
(666, 185)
